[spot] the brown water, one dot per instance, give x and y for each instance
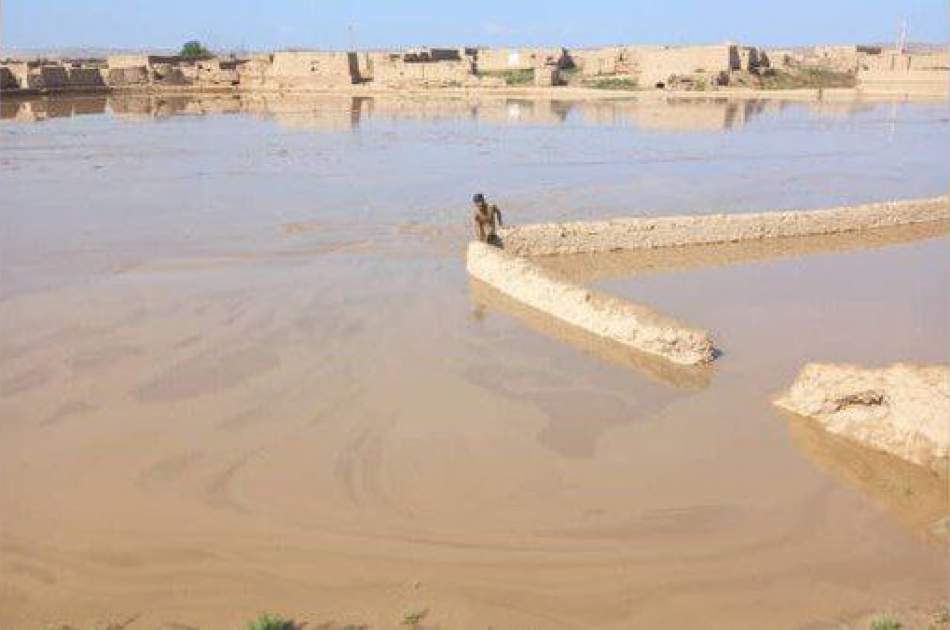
(242, 368)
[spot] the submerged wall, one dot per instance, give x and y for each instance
(600, 236)
(510, 271)
(629, 324)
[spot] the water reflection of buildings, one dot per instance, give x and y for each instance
(713, 114)
(840, 109)
(43, 109)
(340, 113)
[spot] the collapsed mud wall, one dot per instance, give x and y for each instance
(619, 234)
(903, 410)
(609, 317)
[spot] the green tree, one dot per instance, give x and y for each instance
(194, 49)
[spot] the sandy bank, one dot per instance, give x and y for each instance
(546, 239)
(903, 410)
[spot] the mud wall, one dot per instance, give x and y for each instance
(395, 72)
(255, 70)
(20, 71)
(891, 70)
(599, 61)
(127, 61)
(48, 77)
(7, 80)
(619, 234)
(313, 69)
(839, 58)
(547, 76)
(752, 58)
(119, 77)
(893, 61)
(216, 72)
(85, 77)
(629, 324)
(930, 61)
(657, 65)
(501, 59)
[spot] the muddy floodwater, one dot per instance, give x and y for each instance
(242, 367)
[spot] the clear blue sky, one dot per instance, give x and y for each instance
(274, 24)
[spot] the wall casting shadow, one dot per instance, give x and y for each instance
(693, 378)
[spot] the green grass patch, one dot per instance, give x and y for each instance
(413, 618)
(612, 83)
(267, 621)
(773, 79)
(512, 77)
(885, 622)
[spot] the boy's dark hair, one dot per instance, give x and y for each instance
(478, 198)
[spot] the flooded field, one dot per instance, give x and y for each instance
(242, 367)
